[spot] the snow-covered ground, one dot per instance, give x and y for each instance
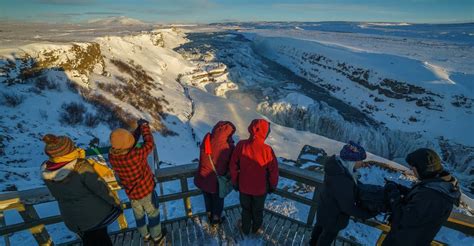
(186, 79)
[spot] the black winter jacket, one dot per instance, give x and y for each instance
(337, 198)
(83, 197)
(417, 219)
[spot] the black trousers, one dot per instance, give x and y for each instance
(214, 204)
(322, 237)
(96, 237)
(252, 212)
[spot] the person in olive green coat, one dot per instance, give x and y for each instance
(86, 203)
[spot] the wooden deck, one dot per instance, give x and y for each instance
(278, 230)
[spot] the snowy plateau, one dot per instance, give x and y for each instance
(393, 87)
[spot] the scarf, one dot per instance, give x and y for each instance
(349, 165)
(55, 163)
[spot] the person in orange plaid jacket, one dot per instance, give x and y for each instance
(135, 176)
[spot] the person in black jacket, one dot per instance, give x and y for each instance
(418, 213)
(337, 195)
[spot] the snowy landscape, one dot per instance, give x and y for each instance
(393, 87)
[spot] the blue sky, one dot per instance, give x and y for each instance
(205, 11)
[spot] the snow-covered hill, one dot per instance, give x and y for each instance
(84, 90)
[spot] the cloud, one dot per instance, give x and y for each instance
(333, 7)
(171, 7)
(103, 13)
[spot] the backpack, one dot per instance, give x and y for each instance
(371, 198)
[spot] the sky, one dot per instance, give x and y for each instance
(208, 11)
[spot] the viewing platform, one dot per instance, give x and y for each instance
(194, 229)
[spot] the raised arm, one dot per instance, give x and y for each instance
(148, 144)
(347, 201)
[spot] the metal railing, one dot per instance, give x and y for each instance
(24, 201)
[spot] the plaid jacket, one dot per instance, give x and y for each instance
(132, 168)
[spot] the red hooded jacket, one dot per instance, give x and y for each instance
(219, 144)
(253, 165)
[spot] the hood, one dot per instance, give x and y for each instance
(223, 132)
(58, 174)
(446, 185)
(259, 129)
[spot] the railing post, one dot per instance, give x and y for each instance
(186, 200)
(3, 223)
(156, 167)
(39, 232)
(312, 210)
(381, 238)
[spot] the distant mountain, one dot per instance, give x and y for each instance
(120, 20)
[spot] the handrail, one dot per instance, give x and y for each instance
(24, 200)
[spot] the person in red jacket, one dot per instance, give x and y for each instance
(254, 172)
(217, 147)
(130, 165)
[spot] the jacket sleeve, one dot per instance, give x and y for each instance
(410, 213)
(347, 201)
(234, 165)
(147, 147)
(136, 134)
(98, 186)
(273, 170)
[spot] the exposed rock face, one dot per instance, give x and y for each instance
(78, 60)
(157, 39)
(461, 159)
(461, 101)
(367, 78)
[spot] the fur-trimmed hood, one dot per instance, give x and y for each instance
(59, 174)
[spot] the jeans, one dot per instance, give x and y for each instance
(252, 212)
(214, 204)
(97, 237)
(322, 237)
(149, 206)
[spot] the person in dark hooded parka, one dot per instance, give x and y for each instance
(216, 149)
(254, 173)
(418, 213)
(85, 202)
(337, 195)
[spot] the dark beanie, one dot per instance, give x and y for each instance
(57, 145)
(426, 162)
(353, 152)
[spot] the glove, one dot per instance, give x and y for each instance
(236, 187)
(391, 192)
(403, 189)
(140, 122)
(390, 186)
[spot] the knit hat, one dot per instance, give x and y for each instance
(121, 139)
(353, 152)
(426, 162)
(57, 145)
